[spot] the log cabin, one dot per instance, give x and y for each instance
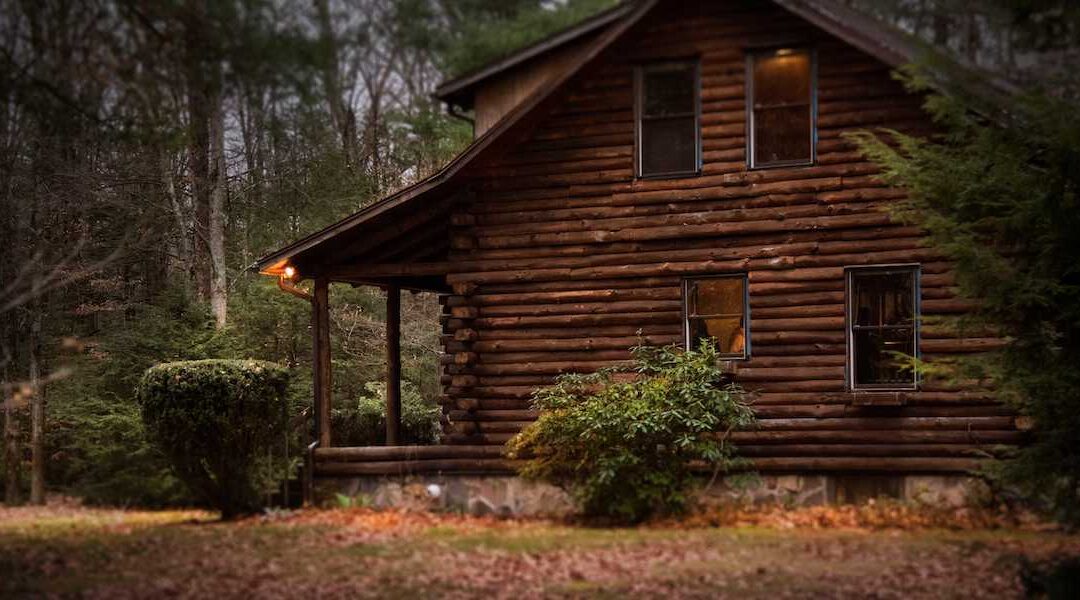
(666, 172)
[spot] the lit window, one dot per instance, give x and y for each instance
(716, 309)
(883, 311)
(668, 136)
(780, 100)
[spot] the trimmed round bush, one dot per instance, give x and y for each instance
(214, 419)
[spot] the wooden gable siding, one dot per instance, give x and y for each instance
(496, 98)
(570, 258)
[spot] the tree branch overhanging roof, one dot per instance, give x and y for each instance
(458, 90)
(887, 44)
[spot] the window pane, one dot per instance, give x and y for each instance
(727, 331)
(782, 100)
(669, 91)
(782, 79)
(875, 361)
(782, 134)
(883, 298)
(669, 146)
(718, 296)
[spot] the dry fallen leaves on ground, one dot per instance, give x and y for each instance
(877, 551)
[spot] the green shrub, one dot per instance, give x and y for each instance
(99, 451)
(365, 423)
(214, 420)
(623, 449)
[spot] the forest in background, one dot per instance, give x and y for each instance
(150, 151)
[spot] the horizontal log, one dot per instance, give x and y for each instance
(391, 453)
(844, 410)
(631, 306)
(889, 423)
(903, 398)
(566, 285)
(486, 426)
(960, 345)
(821, 385)
(752, 374)
(406, 467)
(868, 450)
(586, 343)
(761, 351)
(520, 415)
(478, 438)
(817, 359)
(554, 356)
(876, 437)
(579, 320)
(547, 368)
(464, 312)
(784, 338)
(542, 333)
(670, 292)
(861, 464)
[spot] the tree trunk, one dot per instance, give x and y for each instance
(216, 213)
(37, 411)
(343, 116)
(11, 450)
(199, 114)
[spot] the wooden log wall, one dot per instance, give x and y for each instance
(563, 260)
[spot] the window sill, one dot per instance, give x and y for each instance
(873, 397)
(782, 165)
(679, 175)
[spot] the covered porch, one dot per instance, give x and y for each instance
(396, 247)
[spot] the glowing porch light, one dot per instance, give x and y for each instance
(290, 272)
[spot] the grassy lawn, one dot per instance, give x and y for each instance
(70, 551)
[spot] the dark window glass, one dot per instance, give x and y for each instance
(781, 108)
(882, 317)
(668, 145)
(668, 91)
(668, 138)
(716, 309)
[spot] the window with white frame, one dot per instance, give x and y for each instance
(883, 327)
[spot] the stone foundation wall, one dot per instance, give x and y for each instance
(504, 496)
(511, 496)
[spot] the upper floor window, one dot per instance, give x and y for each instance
(781, 108)
(666, 110)
(883, 312)
(716, 308)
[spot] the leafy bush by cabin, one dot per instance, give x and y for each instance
(365, 423)
(624, 449)
(215, 420)
(1000, 197)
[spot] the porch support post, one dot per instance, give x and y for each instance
(320, 317)
(393, 366)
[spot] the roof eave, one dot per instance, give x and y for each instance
(459, 88)
(272, 263)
